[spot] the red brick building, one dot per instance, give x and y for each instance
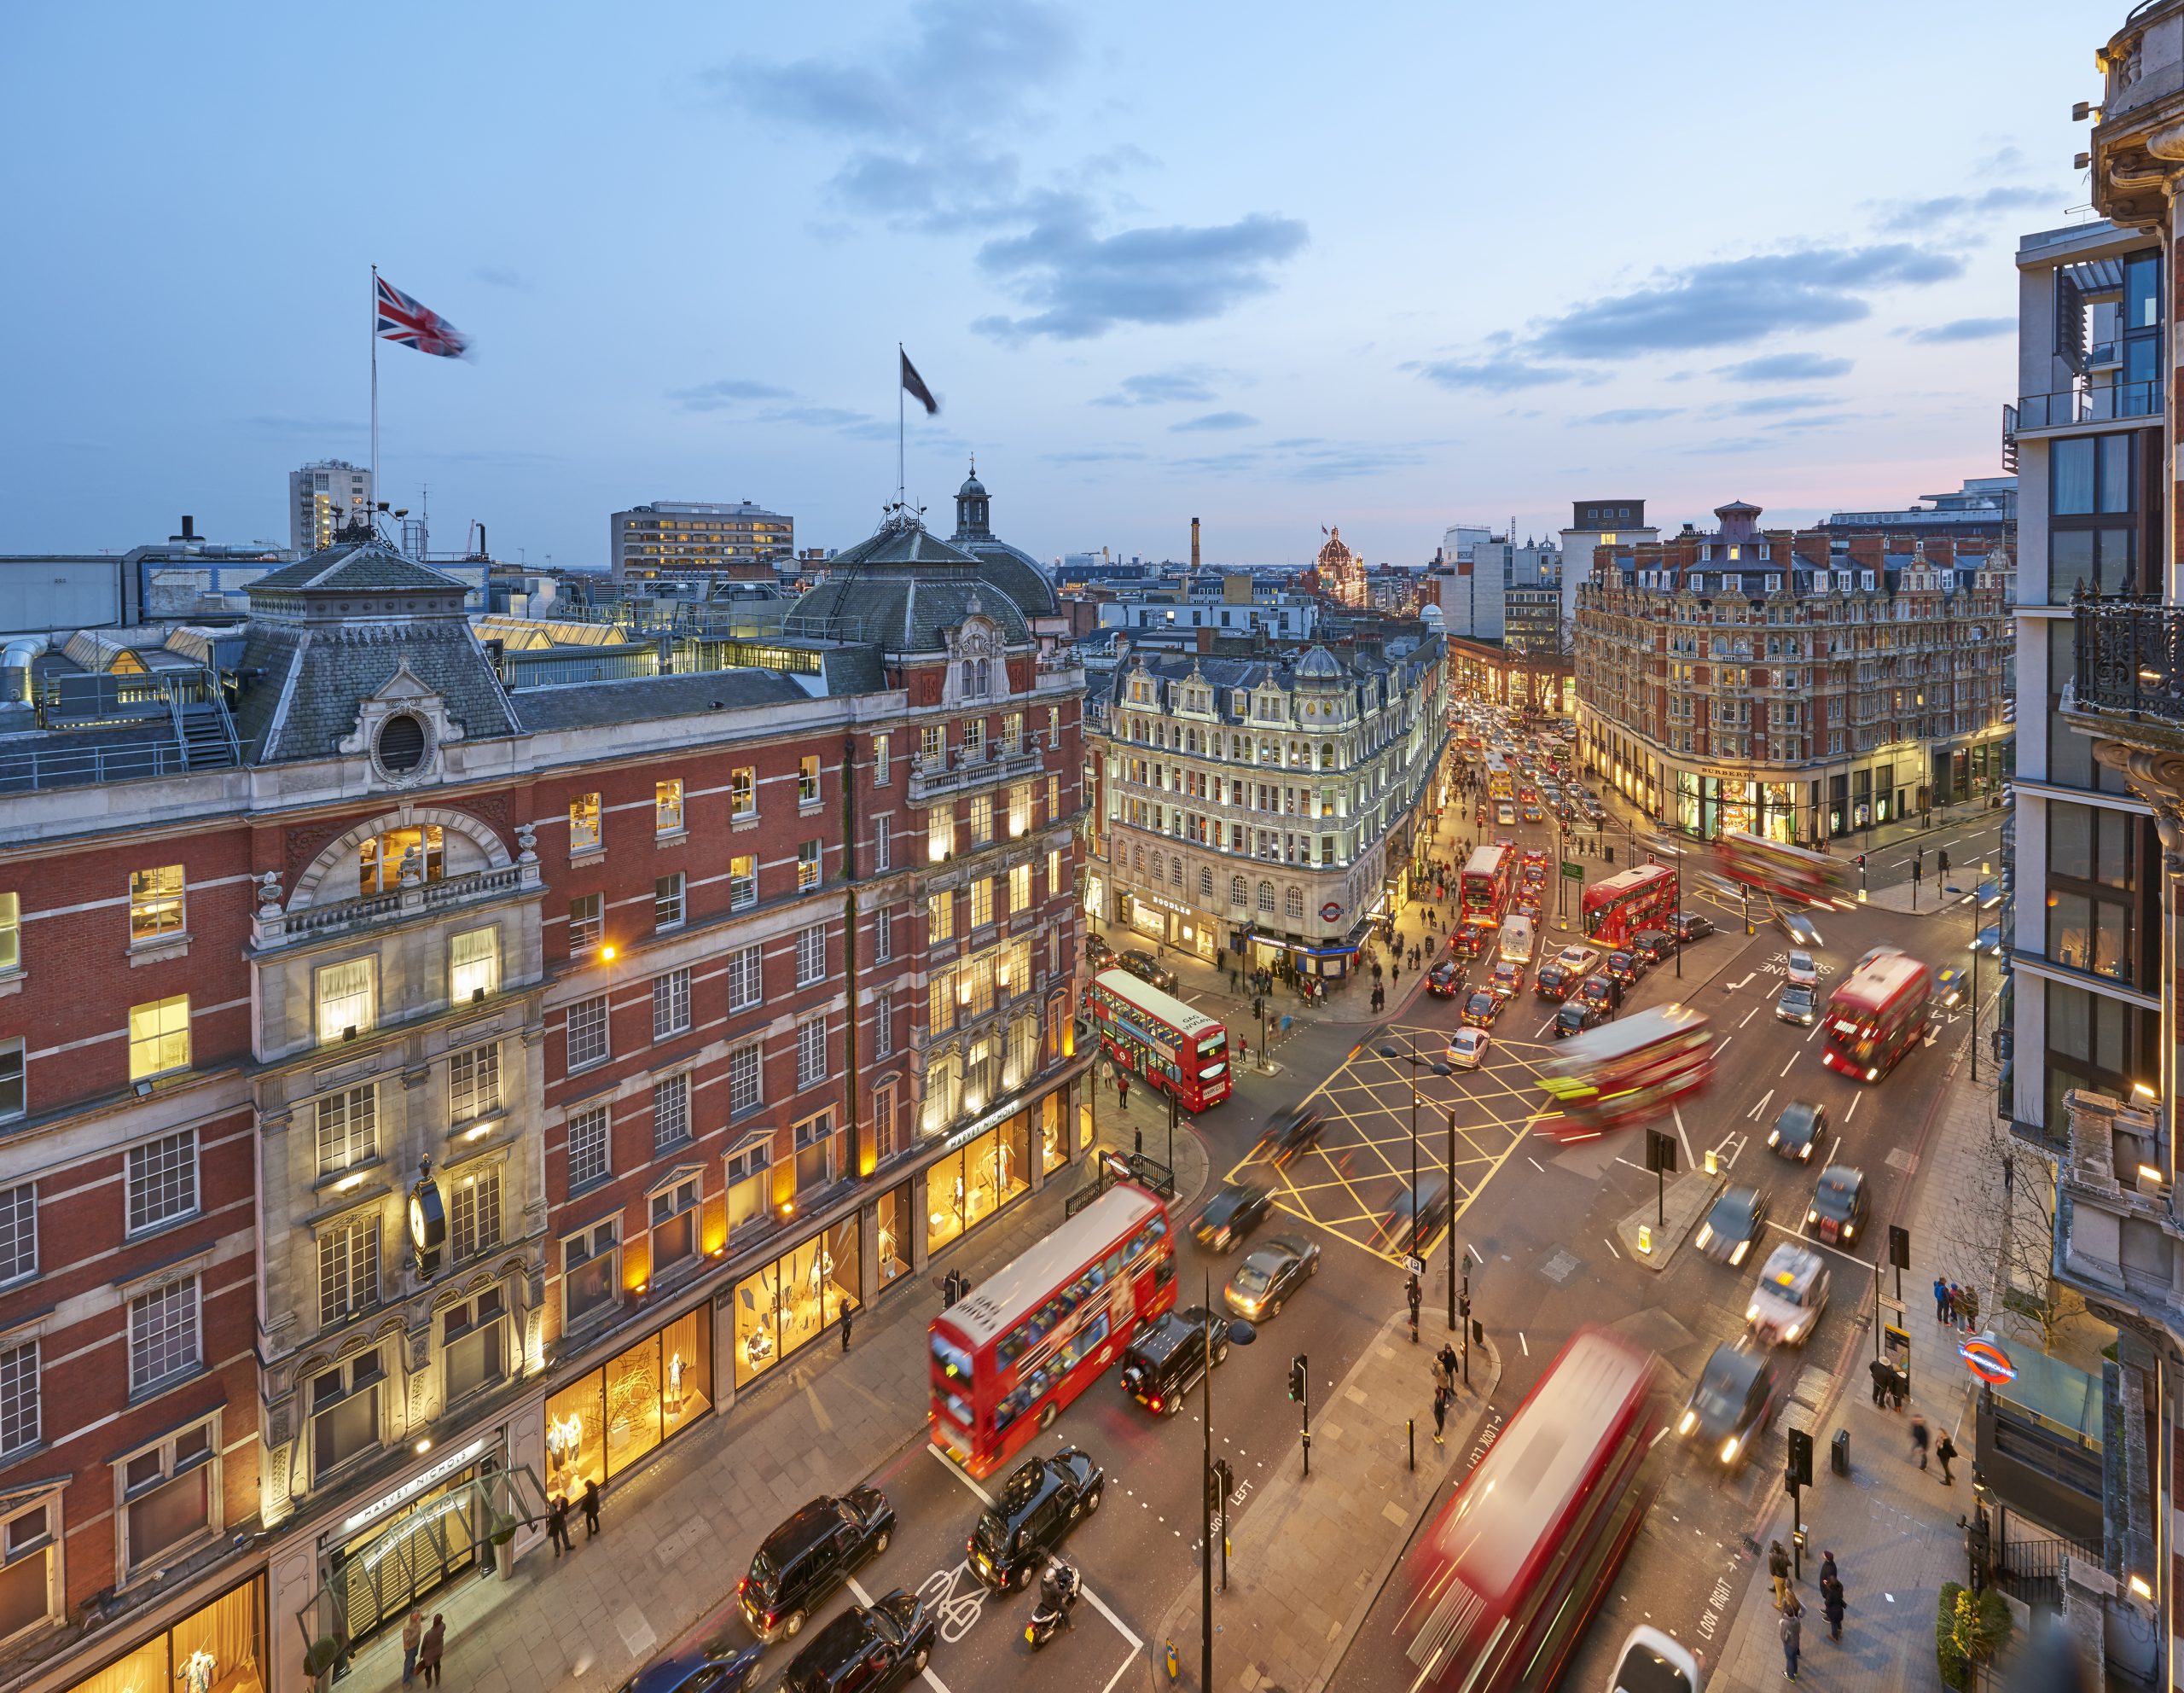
(431, 1093)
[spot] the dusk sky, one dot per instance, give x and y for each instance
(1276, 266)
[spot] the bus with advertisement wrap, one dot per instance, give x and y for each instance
(1006, 1360)
(1486, 886)
(1507, 1576)
(1876, 1014)
(1776, 867)
(1619, 906)
(1627, 1072)
(1155, 1035)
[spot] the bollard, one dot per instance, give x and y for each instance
(1410, 1430)
(1174, 1663)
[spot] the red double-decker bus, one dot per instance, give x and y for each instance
(1489, 880)
(1776, 867)
(1177, 1049)
(1627, 1072)
(1033, 1336)
(1522, 1555)
(1876, 1014)
(1621, 905)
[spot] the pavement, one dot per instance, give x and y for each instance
(672, 1532)
(1892, 1527)
(1290, 1609)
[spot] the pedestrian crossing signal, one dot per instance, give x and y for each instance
(1800, 1463)
(1297, 1379)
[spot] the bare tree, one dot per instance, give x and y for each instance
(1999, 1238)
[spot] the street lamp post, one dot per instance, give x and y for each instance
(1452, 1200)
(1438, 1068)
(1240, 1334)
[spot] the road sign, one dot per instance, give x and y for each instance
(1572, 872)
(1415, 1264)
(1894, 1304)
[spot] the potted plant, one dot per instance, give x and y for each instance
(503, 1531)
(319, 1658)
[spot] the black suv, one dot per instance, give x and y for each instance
(1166, 1359)
(1652, 944)
(807, 1557)
(1038, 1505)
(875, 1649)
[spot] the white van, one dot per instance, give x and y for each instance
(1517, 940)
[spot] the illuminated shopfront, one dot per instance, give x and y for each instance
(784, 1305)
(1054, 1134)
(894, 1215)
(965, 1187)
(606, 1420)
(218, 1649)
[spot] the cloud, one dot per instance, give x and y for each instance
(1924, 214)
(1083, 285)
(1216, 420)
(1097, 456)
(501, 276)
(1732, 301)
(1633, 414)
(715, 396)
(1963, 330)
(1499, 373)
(1160, 387)
(1785, 367)
(930, 123)
(1767, 405)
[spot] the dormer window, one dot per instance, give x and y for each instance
(386, 858)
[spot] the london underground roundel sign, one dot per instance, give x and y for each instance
(1988, 1361)
(1330, 911)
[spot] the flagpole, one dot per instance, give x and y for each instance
(900, 479)
(371, 504)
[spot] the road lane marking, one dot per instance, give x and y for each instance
(1535, 1163)
(1732, 986)
(1785, 1068)
(1753, 1115)
(1676, 1112)
(1610, 1246)
(1831, 1149)
(1525, 1343)
(1127, 1663)
(1853, 1111)
(1749, 1016)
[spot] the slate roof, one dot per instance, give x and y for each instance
(1017, 575)
(900, 587)
(900, 543)
(592, 705)
(318, 679)
(357, 566)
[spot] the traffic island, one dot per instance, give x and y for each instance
(1652, 1233)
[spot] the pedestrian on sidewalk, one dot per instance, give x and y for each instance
(1945, 1449)
(1440, 1413)
(1881, 1375)
(1831, 1604)
(1122, 1090)
(557, 1526)
(1967, 1307)
(1919, 1439)
(430, 1649)
(1940, 1300)
(412, 1633)
(849, 1310)
(591, 1508)
(1412, 1295)
(1948, 1302)
(1899, 1387)
(1449, 1364)
(1778, 1566)
(1440, 1373)
(1792, 1637)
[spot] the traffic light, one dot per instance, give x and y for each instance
(1861, 861)
(1899, 1246)
(1799, 1472)
(1297, 1379)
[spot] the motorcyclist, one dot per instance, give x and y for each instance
(1058, 1587)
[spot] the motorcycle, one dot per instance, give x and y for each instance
(1058, 1593)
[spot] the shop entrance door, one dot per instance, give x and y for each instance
(376, 1577)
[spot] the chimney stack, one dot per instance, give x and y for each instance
(1193, 543)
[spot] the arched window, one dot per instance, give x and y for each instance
(1327, 755)
(1156, 867)
(1292, 901)
(1266, 897)
(1240, 894)
(1175, 872)
(1138, 854)
(1205, 884)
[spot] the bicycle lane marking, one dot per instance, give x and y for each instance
(1098, 1603)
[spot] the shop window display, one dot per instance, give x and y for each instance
(1054, 1134)
(894, 1219)
(218, 1649)
(604, 1422)
(964, 1188)
(786, 1304)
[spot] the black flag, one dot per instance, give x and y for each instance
(914, 385)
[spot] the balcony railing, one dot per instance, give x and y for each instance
(2088, 405)
(2129, 657)
(273, 928)
(959, 768)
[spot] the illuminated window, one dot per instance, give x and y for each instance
(667, 806)
(1019, 889)
(474, 965)
(882, 772)
(807, 780)
(11, 932)
(1020, 809)
(159, 1036)
(584, 822)
(155, 902)
(940, 917)
(384, 859)
(807, 864)
(981, 902)
(940, 833)
(742, 883)
(743, 792)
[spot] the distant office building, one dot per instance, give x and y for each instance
(1506, 592)
(687, 537)
(1984, 507)
(1595, 523)
(321, 497)
(1458, 540)
(1285, 621)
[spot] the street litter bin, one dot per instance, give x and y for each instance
(1838, 1453)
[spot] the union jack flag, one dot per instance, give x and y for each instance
(405, 320)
